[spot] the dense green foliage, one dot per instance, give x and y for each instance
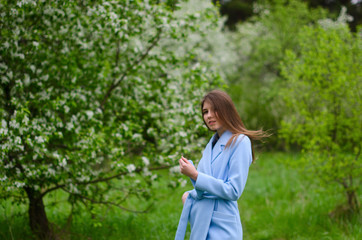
(313, 99)
(323, 91)
(260, 45)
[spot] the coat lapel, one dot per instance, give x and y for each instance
(220, 145)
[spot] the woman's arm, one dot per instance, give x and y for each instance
(239, 164)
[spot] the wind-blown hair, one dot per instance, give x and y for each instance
(225, 111)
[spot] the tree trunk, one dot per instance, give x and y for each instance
(38, 220)
(352, 201)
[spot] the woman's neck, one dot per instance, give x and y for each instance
(220, 131)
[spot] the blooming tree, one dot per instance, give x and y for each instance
(97, 91)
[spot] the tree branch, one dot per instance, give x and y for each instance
(103, 179)
(52, 189)
(121, 174)
(118, 51)
(343, 183)
(108, 203)
(116, 83)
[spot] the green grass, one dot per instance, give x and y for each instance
(281, 203)
(278, 203)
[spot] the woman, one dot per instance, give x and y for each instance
(211, 207)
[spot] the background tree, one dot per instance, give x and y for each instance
(353, 7)
(97, 92)
(238, 11)
(260, 45)
(323, 92)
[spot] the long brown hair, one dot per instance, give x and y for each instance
(226, 112)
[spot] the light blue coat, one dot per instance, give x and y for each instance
(211, 207)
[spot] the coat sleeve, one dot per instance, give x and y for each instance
(233, 186)
(192, 181)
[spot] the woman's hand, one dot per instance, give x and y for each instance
(186, 168)
(184, 196)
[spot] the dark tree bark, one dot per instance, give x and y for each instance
(353, 203)
(38, 220)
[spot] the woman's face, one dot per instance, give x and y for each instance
(210, 117)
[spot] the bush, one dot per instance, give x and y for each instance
(323, 92)
(260, 45)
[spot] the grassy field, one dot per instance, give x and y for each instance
(278, 203)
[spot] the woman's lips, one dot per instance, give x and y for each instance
(211, 122)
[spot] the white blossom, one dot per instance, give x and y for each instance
(25, 120)
(19, 184)
(51, 172)
(10, 74)
(4, 123)
(44, 77)
(83, 178)
(183, 182)
(146, 161)
(69, 126)
(89, 114)
(14, 124)
(56, 155)
(39, 139)
(182, 134)
(146, 172)
(26, 80)
(175, 169)
(66, 109)
(73, 188)
(131, 168)
(17, 140)
(3, 178)
(63, 162)
(6, 45)
(137, 136)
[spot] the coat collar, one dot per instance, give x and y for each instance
(223, 139)
(220, 144)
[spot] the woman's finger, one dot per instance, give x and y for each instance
(184, 159)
